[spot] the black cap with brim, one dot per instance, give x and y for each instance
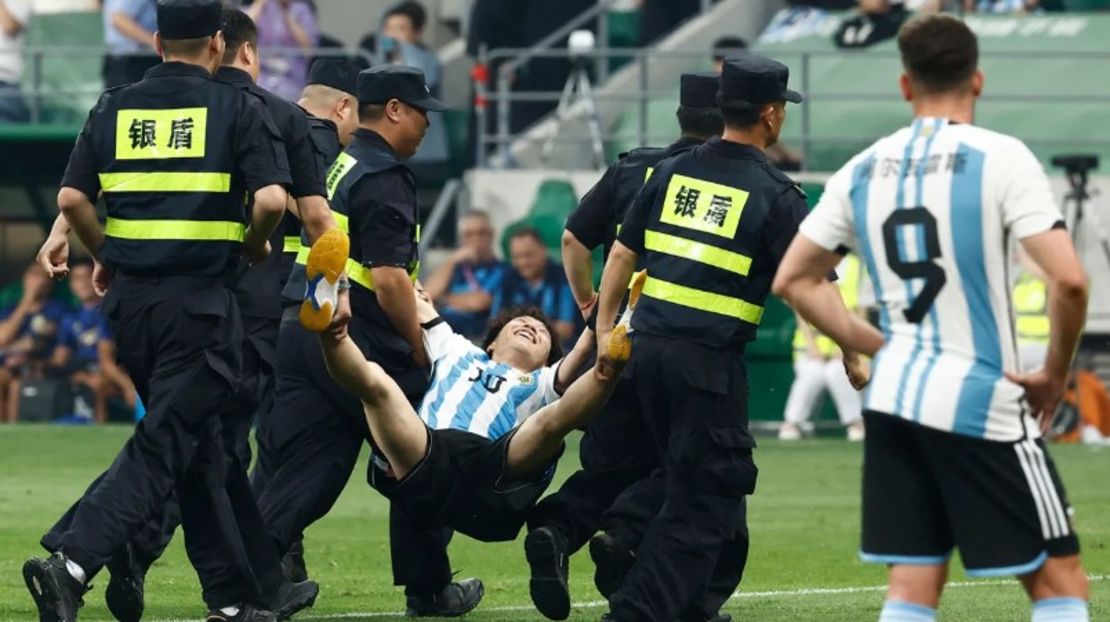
(699, 90)
(755, 79)
(188, 19)
(378, 85)
(340, 74)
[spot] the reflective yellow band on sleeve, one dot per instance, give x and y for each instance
(697, 251)
(165, 182)
(360, 274)
(205, 230)
(342, 221)
(291, 244)
(700, 300)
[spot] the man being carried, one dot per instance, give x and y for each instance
(483, 447)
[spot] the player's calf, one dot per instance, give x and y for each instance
(1059, 590)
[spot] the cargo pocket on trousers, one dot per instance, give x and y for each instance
(728, 468)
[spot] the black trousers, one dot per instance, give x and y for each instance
(694, 403)
(179, 338)
(308, 448)
(616, 451)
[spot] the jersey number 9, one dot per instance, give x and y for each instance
(917, 218)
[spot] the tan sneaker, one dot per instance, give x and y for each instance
(620, 340)
(326, 262)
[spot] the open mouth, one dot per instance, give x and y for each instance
(527, 333)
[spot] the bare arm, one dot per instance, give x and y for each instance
(54, 254)
(269, 207)
(614, 283)
(300, 35)
(255, 9)
(80, 214)
(1055, 255)
(470, 301)
(131, 29)
(574, 360)
(394, 292)
(8, 22)
(315, 215)
(579, 265)
(440, 279)
(803, 282)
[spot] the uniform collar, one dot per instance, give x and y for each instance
(375, 139)
(684, 142)
(735, 151)
(175, 69)
(234, 75)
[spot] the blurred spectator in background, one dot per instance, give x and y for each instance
(493, 24)
(400, 41)
(1002, 6)
(801, 18)
(13, 19)
(538, 281)
(285, 24)
(28, 334)
(85, 353)
(540, 18)
(129, 27)
(463, 287)
(877, 20)
(659, 17)
(725, 47)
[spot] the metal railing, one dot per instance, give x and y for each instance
(500, 138)
(36, 94)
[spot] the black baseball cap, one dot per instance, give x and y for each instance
(189, 19)
(755, 79)
(699, 90)
(378, 85)
(340, 74)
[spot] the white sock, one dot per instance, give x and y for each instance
(1061, 610)
(896, 611)
(229, 611)
(76, 571)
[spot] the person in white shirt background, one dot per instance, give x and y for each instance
(14, 15)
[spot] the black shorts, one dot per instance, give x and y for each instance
(926, 491)
(461, 483)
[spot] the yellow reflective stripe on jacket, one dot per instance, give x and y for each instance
(361, 274)
(702, 300)
(207, 230)
(291, 244)
(165, 182)
(341, 220)
(697, 251)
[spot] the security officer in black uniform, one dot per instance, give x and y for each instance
(174, 155)
(258, 292)
(317, 429)
(710, 228)
(615, 451)
(330, 101)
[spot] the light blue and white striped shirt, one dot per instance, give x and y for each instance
(472, 392)
(934, 211)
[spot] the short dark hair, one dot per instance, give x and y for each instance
(498, 322)
(412, 10)
(728, 45)
(238, 29)
(527, 232)
(700, 122)
(939, 52)
(741, 114)
(370, 112)
(185, 47)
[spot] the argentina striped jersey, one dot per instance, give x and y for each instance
(933, 210)
(472, 392)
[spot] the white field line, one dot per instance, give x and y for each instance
(597, 604)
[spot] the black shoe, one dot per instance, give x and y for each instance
(546, 551)
(124, 595)
(612, 563)
(57, 594)
(293, 563)
(246, 613)
(455, 600)
(293, 597)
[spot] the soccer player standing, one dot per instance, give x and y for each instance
(953, 455)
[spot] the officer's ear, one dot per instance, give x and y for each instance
(393, 110)
(158, 44)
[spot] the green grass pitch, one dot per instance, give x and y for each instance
(804, 521)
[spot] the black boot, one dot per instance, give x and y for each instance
(124, 595)
(451, 602)
(293, 597)
(57, 594)
(612, 560)
(246, 613)
(546, 551)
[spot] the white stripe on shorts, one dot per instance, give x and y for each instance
(1049, 509)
